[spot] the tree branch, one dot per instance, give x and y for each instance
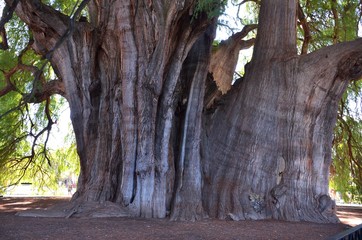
(224, 60)
(350, 140)
(336, 22)
(243, 2)
(342, 61)
(42, 93)
(5, 18)
(8, 87)
(307, 36)
(20, 164)
(51, 24)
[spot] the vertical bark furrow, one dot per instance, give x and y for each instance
(187, 203)
(278, 39)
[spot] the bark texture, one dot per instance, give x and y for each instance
(135, 77)
(120, 72)
(267, 147)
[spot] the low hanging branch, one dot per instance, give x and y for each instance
(20, 165)
(41, 91)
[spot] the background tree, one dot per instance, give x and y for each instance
(24, 148)
(134, 74)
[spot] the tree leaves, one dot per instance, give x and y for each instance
(346, 170)
(213, 8)
(24, 131)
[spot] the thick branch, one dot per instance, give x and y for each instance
(42, 18)
(342, 61)
(225, 59)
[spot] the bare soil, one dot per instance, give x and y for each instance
(15, 227)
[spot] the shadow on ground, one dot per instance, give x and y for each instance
(14, 227)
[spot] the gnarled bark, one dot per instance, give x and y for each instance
(268, 146)
(120, 73)
(136, 90)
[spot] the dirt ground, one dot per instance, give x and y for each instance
(14, 227)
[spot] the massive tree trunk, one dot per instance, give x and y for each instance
(121, 74)
(135, 87)
(267, 146)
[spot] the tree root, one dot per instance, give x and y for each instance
(79, 209)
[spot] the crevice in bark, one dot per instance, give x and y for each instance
(187, 201)
(212, 93)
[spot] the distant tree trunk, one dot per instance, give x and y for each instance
(134, 77)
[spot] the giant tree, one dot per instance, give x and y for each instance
(136, 74)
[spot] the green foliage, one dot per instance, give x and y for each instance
(7, 60)
(25, 151)
(213, 8)
(66, 6)
(24, 156)
(330, 21)
(346, 170)
(18, 34)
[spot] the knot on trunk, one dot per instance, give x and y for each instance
(350, 67)
(277, 192)
(257, 202)
(326, 205)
